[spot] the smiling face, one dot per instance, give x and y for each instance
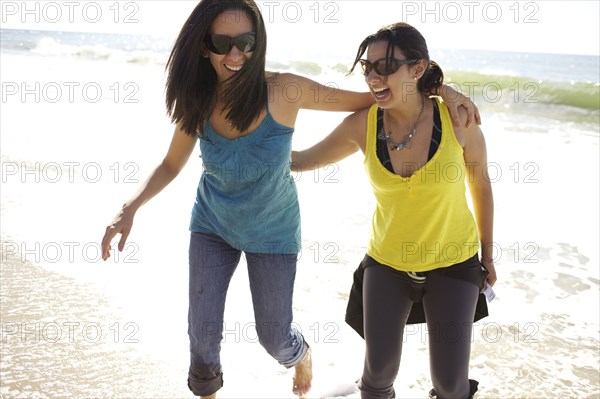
(231, 23)
(391, 90)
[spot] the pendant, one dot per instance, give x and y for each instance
(398, 146)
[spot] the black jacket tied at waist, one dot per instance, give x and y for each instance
(464, 271)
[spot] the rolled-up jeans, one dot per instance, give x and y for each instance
(212, 264)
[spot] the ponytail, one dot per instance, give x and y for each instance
(431, 79)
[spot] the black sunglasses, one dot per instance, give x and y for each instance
(221, 44)
(381, 67)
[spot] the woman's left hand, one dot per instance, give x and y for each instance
(489, 266)
(454, 99)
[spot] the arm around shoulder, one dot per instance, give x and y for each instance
(454, 100)
(318, 97)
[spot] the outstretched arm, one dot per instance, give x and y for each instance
(347, 138)
(179, 152)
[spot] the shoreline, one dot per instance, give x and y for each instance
(61, 338)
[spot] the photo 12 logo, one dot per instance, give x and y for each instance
(68, 172)
(76, 332)
(491, 332)
(69, 92)
(320, 332)
(66, 252)
(300, 11)
(55, 12)
(470, 11)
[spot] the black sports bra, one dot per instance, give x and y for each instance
(383, 152)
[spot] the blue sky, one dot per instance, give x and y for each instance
(568, 27)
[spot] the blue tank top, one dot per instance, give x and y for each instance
(246, 194)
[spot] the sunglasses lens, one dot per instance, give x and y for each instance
(380, 66)
(220, 44)
(382, 69)
(245, 42)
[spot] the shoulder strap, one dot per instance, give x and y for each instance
(436, 134)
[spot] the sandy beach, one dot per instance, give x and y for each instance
(62, 338)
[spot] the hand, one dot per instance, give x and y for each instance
(489, 266)
(122, 224)
(454, 99)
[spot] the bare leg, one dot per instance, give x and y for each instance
(303, 375)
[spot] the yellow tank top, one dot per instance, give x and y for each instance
(421, 222)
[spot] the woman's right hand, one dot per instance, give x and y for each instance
(178, 154)
(121, 224)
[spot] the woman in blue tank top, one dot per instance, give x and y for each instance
(218, 93)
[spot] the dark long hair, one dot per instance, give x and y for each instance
(413, 46)
(192, 81)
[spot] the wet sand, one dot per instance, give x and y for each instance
(62, 339)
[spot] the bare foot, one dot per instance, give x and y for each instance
(303, 375)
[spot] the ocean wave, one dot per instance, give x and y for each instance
(48, 46)
(512, 89)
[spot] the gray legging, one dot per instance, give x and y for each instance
(449, 305)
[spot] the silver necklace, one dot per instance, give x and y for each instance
(393, 146)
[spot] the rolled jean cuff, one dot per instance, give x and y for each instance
(205, 387)
(299, 354)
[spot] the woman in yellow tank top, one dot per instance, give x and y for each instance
(426, 247)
